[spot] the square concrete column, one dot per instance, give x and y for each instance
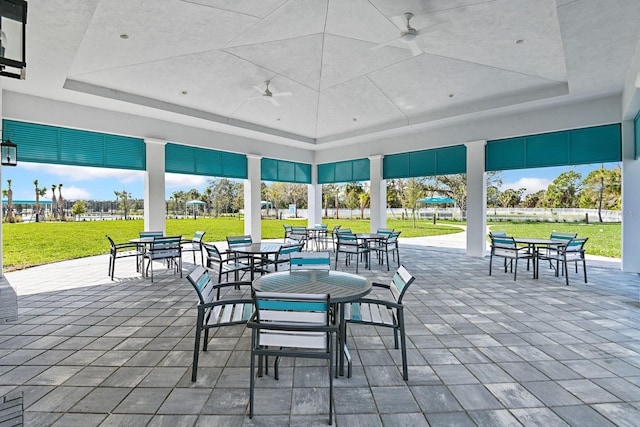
(252, 206)
(630, 201)
(154, 192)
(378, 194)
(476, 200)
(314, 199)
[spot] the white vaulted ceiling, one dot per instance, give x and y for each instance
(202, 58)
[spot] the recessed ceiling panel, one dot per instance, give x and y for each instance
(429, 82)
(354, 105)
(125, 32)
(214, 81)
(345, 59)
(522, 36)
(295, 19)
(298, 59)
(259, 9)
(296, 113)
(360, 20)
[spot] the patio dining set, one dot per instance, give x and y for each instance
(559, 250)
(299, 311)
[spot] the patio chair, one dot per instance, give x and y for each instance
(298, 235)
(507, 248)
(389, 244)
(551, 253)
(333, 233)
(385, 312)
(121, 250)
(165, 249)
(151, 234)
(348, 244)
(223, 263)
(384, 231)
(284, 254)
(290, 325)
(573, 252)
(238, 241)
(287, 232)
(194, 245)
(214, 312)
(310, 261)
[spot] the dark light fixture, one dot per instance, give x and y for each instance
(13, 30)
(9, 153)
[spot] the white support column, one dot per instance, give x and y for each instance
(630, 201)
(252, 206)
(476, 200)
(314, 199)
(378, 193)
(154, 191)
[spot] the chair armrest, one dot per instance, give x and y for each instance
(381, 285)
(225, 302)
(386, 303)
(283, 326)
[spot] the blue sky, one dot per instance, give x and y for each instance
(99, 184)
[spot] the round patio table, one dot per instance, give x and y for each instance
(261, 250)
(535, 244)
(342, 288)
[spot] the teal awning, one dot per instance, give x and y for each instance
(437, 200)
(27, 202)
(195, 202)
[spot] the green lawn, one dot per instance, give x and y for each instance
(30, 244)
(26, 245)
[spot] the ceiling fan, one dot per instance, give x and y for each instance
(268, 95)
(408, 36)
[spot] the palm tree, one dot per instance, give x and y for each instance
(60, 202)
(43, 192)
(54, 208)
(37, 209)
(10, 217)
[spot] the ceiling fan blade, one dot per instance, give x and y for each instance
(274, 102)
(385, 44)
(259, 89)
(432, 27)
(254, 97)
(282, 94)
(415, 49)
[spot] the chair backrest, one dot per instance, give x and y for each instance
(343, 231)
(555, 235)
(285, 251)
(151, 234)
(498, 233)
(400, 282)
(197, 236)
(166, 247)
(336, 228)
(212, 252)
(202, 283)
(310, 261)
(576, 245)
(347, 238)
(384, 231)
(298, 229)
(320, 226)
(239, 240)
(297, 311)
(393, 237)
(503, 242)
(111, 242)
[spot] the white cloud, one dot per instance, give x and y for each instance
(185, 182)
(84, 173)
(531, 185)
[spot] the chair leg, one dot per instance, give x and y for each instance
(196, 347)
(403, 343)
(515, 269)
(584, 266)
(490, 262)
(251, 382)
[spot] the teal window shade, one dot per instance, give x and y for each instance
(347, 171)
(637, 135)
(282, 171)
(55, 145)
(201, 161)
(599, 144)
(437, 161)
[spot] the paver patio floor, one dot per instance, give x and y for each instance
(483, 350)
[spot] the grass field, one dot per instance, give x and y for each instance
(29, 244)
(26, 245)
